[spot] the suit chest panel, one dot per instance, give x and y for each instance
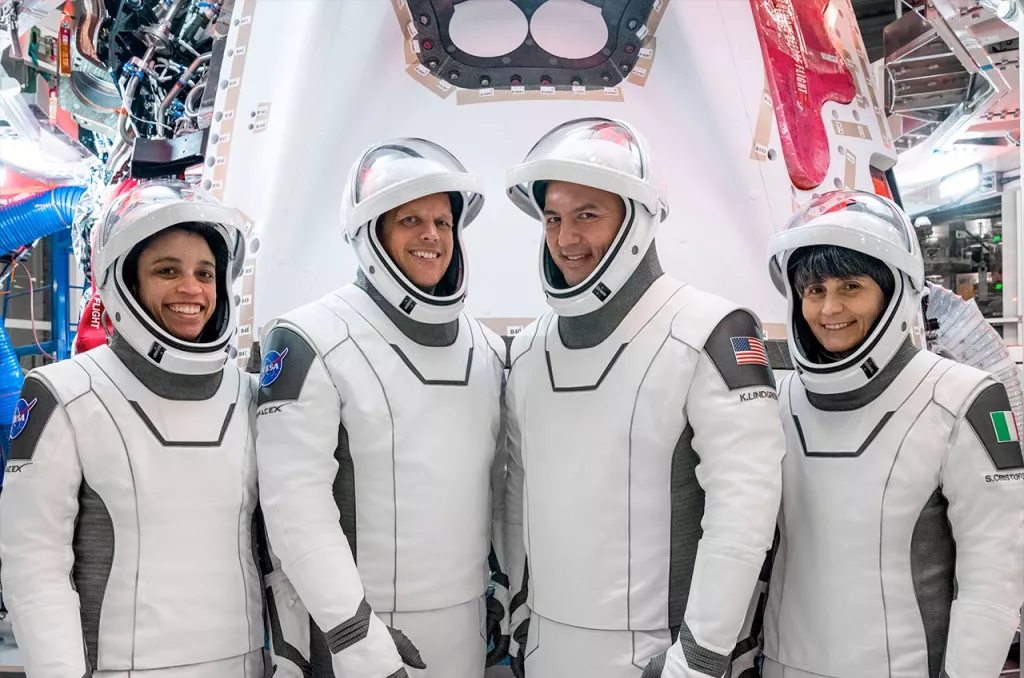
(593, 408)
(193, 457)
(868, 471)
(403, 400)
(864, 441)
(598, 429)
(853, 493)
(173, 477)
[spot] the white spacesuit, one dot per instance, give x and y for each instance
(127, 516)
(378, 423)
(902, 526)
(644, 446)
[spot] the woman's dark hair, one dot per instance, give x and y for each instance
(815, 265)
(130, 272)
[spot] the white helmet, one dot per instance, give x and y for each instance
(869, 224)
(609, 155)
(387, 176)
(138, 214)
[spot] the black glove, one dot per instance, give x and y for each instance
(654, 667)
(407, 651)
(518, 661)
(518, 667)
(495, 615)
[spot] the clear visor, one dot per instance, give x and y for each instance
(183, 202)
(593, 141)
(596, 152)
(409, 162)
(835, 218)
(127, 208)
(899, 231)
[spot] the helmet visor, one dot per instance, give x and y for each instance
(838, 218)
(155, 205)
(857, 201)
(596, 152)
(408, 163)
(594, 141)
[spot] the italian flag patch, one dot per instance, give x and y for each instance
(1005, 425)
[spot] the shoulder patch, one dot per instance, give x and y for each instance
(736, 347)
(286, 360)
(992, 420)
(35, 407)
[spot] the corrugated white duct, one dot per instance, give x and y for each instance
(965, 336)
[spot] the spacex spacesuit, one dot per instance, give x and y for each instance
(126, 522)
(644, 446)
(378, 420)
(902, 526)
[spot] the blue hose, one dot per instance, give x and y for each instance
(22, 223)
(44, 214)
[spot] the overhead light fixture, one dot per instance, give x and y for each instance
(960, 183)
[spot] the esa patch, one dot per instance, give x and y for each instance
(21, 413)
(35, 406)
(737, 349)
(992, 420)
(276, 383)
(273, 363)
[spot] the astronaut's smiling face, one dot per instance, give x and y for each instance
(419, 238)
(580, 224)
(178, 283)
(841, 312)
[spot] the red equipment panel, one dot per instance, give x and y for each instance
(805, 69)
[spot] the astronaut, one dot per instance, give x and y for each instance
(378, 424)
(644, 440)
(902, 525)
(127, 519)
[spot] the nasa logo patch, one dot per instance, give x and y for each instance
(271, 368)
(21, 413)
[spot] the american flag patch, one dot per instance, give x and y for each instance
(749, 351)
